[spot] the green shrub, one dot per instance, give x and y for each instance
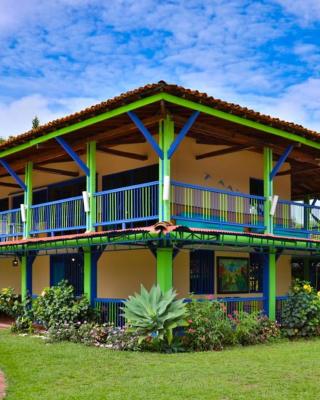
(209, 329)
(253, 328)
(59, 305)
(154, 315)
(10, 303)
(301, 311)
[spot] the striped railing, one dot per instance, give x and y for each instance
(243, 304)
(58, 216)
(110, 311)
(127, 205)
(218, 207)
(293, 216)
(11, 226)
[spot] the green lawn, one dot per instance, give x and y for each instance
(36, 370)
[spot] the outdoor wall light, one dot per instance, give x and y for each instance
(73, 259)
(15, 262)
(86, 205)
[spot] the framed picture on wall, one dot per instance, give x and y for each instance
(233, 275)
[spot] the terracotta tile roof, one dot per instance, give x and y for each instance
(151, 89)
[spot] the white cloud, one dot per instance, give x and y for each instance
(16, 116)
(306, 11)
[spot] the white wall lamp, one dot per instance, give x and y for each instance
(23, 212)
(274, 202)
(86, 205)
(166, 188)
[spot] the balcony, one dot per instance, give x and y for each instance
(191, 205)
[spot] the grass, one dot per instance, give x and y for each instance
(36, 370)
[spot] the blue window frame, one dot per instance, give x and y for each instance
(202, 272)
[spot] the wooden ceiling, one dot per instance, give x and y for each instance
(304, 161)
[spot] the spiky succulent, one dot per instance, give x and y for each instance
(154, 313)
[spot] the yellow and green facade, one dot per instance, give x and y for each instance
(161, 185)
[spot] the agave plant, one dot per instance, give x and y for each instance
(155, 313)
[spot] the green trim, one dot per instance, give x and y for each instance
(166, 137)
(239, 120)
(267, 189)
(165, 268)
(87, 273)
(83, 124)
(23, 277)
(272, 285)
(91, 185)
(28, 199)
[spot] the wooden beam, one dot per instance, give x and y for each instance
(120, 153)
(10, 185)
(222, 152)
(56, 171)
(298, 171)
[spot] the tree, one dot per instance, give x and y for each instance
(35, 122)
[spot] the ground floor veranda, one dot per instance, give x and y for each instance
(244, 270)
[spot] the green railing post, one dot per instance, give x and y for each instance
(26, 271)
(28, 200)
(89, 268)
(269, 275)
(166, 136)
(165, 268)
(267, 189)
(91, 185)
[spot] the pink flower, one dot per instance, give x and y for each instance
(190, 321)
(210, 297)
(190, 330)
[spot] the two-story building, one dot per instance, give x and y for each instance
(162, 184)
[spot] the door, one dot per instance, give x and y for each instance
(68, 267)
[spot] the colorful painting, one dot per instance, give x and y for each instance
(233, 275)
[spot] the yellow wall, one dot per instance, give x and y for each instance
(120, 273)
(227, 172)
(40, 274)
(9, 275)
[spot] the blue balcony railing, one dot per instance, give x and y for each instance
(58, 216)
(11, 226)
(215, 208)
(131, 204)
(297, 218)
(191, 205)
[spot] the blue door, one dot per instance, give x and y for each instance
(67, 267)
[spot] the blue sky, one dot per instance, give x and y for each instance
(59, 56)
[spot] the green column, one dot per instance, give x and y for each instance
(24, 279)
(26, 273)
(28, 200)
(87, 273)
(272, 285)
(91, 185)
(166, 136)
(164, 268)
(268, 189)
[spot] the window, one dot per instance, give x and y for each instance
(202, 272)
(297, 268)
(256, 272)
(70, 188)
(4, 204)
(131, 177)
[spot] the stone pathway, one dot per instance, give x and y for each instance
(2, 386)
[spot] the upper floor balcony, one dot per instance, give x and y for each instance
(138, 205)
